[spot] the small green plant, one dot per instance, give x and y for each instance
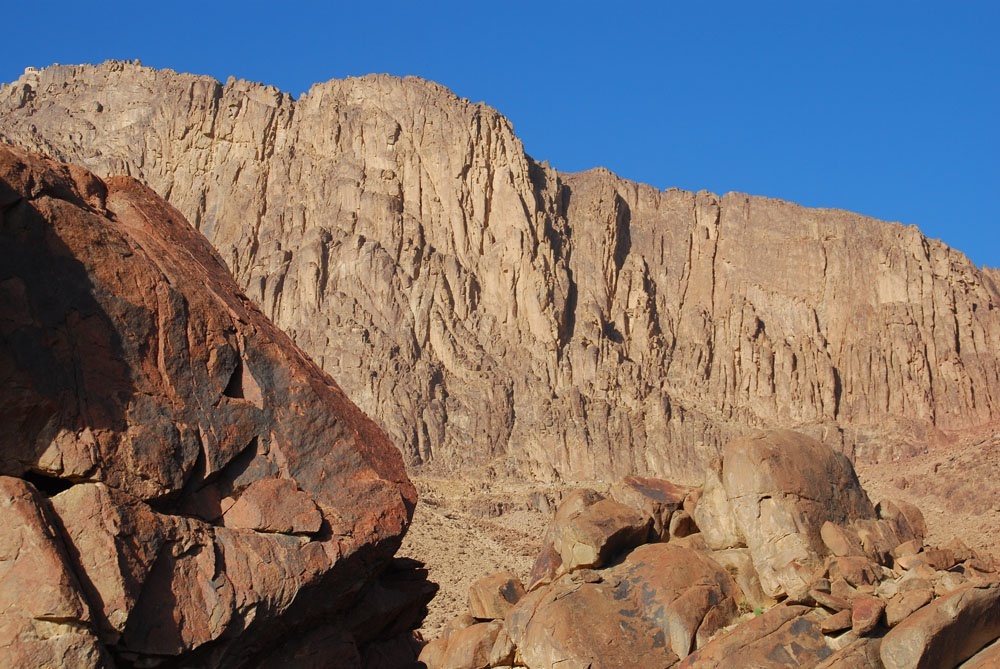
(758, 611)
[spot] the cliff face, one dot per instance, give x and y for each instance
(487, 309)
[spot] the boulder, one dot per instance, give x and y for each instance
(657, 498)
(866, 614)
(904, 604)
(217, 490)
(491, 597)
(274, 505)
(470, 648)
(597, 533)
(686, 594)
(782, 487)
(858, 654)
(714, 513)
(581, 625)
(46, 621)
(987, 658)
(549, 562)
(841, 541)
(945, 632)
(785, 636)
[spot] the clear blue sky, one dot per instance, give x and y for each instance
(886, 108)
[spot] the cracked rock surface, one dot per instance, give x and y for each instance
(182, 486)
(488, 310)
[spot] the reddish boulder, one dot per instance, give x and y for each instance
(45, 620)
(657, 498)
(274, 505)
(587, 531)
(866, 613)
(785, 636)
(584, 625)
(946, 632)
(233, 492)
(470, 648)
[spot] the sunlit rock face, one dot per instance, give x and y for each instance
(488, 310)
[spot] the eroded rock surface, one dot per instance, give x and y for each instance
(210, 489)
(681, 602)
(486, 308)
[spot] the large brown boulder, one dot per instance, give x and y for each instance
(662, 601)
(785, 636)
(214, 489)
(580, 625)
(946, 631)
(776, 491)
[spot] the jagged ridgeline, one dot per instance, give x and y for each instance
(489, 310)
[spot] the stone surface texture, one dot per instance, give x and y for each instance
(679, 601)
(488, 310)
(210, 488)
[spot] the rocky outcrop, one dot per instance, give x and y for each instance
(485, 308)
(678, 601)
(184, 487)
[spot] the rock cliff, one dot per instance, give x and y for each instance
(488, 310)
(187, 488)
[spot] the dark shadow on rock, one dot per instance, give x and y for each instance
(62, 364)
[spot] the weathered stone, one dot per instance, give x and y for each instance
(597, 533)
(432, 655)
(785, 636)
(657, 498)
(830, 601)
(866, 613)
(469, 648)
(911, 547)
(945, 632)
(684, 592)
(841, 588)
(491, 597)
(45, 621)
(738, 563)
(714, 513)
(143, 369)
(904, 604)
(548, 565)
(503, 650)
(859, 654)
(458, 623)
(274, 505)
(858, 571)
(838, 622)
(114, 539)
(987, 658)
(783, 487)
(583, 625)
(841, 541)
(682, 525)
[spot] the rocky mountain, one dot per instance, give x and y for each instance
(181, 485)
(491, 311)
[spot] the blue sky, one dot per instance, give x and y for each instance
(885, 108)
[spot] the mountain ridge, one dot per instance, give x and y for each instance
(565, 325)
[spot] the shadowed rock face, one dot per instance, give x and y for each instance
(211, 489)
(485, 308)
